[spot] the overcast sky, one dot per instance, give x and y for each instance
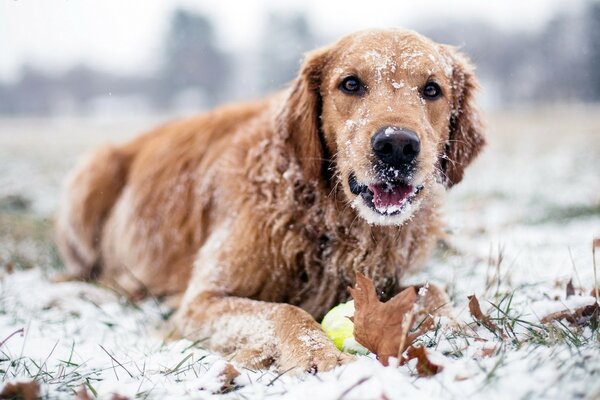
(123, 35)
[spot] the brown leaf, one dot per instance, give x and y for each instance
(21, 390)
(476, 312)
(227, 376)
(117, 396)
(82, 394)
(433, 301)
(229, 372)
(488, 351)
(582, 316)
(425, 367)
(383, 328)
(570, 288)
(555, 316)
(9, 267)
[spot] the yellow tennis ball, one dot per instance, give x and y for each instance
(340, 329)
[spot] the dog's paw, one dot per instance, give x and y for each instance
(254, 358)
(324, 361)
(312, 355)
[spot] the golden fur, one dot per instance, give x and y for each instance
(244, 214)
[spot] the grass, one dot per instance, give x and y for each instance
(561, 214)
(27, 238)
(69, 375)
(559, 358)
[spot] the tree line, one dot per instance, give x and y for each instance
(558, 63)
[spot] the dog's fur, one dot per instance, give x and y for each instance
(245, 214)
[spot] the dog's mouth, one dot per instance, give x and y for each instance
(385, 198)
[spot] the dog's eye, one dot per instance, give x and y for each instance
(431, 91)
(351, 85)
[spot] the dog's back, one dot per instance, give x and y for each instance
(134, 215)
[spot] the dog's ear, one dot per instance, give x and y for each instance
(299, 120)
(465, 138)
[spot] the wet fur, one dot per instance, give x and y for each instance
(244, 212)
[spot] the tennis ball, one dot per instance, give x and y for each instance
(339, 329)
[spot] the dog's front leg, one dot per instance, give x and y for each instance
(222, 306)
(257, 334)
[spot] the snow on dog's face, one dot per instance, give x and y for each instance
(394, 112)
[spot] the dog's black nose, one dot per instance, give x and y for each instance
(396, 147)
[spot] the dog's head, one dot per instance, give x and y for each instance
(393, 112)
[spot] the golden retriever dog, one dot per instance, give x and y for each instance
(254, 218)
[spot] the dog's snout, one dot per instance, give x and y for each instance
(397, 147)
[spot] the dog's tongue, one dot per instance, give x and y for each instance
(387, 197)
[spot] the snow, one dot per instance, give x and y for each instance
(398, 85)
(389, 130)
(520, 226)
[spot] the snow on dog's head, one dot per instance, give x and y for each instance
(393, 111)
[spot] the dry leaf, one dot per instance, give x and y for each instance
(227, 376)
(220, 379)
(582, 316)
(379, 326)
(383, 328)
(82, 394)
(9, 267)
(117, 396)
(433, 301)
(476, 312)
(555, 316)
(488, 351)
(570, 288)
(425, 367)
(229, 372)
(21, 390)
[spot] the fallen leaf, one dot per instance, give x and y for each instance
(9, 267)
(433, 300)
(570, 288)
(425, 367)
(82, 394)
(227, 376)
(488, 351)
(229, 372)
(582, 316)
(555, 316)
(117, 396)
(485, 320)
(21, 390)
(384, 328)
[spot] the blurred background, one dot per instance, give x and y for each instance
(77, 73)
(115, 58)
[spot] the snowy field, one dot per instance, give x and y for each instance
(520, 227)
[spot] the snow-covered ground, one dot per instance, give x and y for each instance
(520, 227)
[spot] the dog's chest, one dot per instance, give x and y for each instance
(332, 259)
